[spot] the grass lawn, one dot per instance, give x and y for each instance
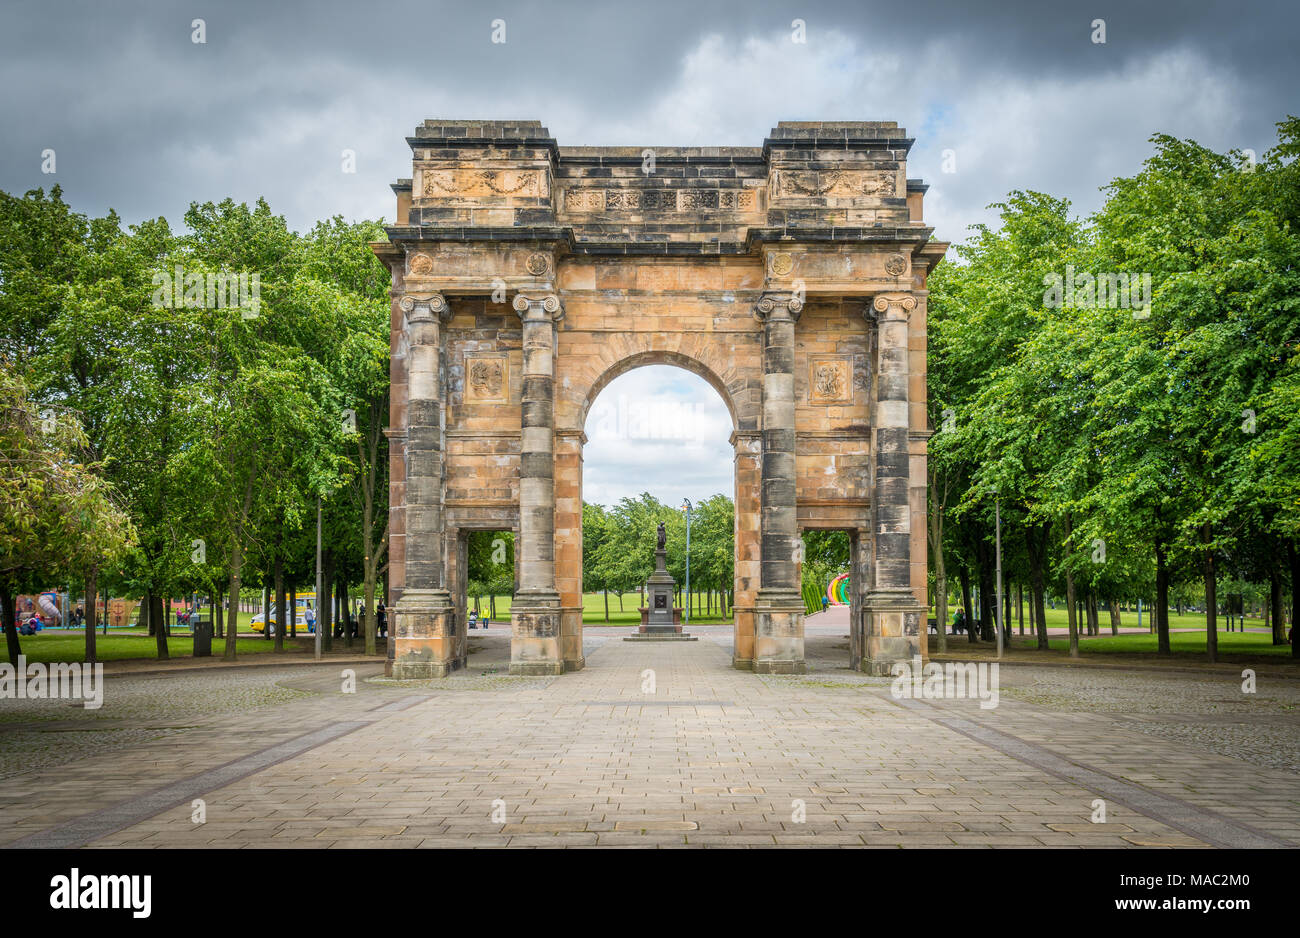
(1058, 618)
(593, 610)
(1230, 643)
(1191, 643)
(121, 644)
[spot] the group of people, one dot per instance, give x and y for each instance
(959, 623)
(354, 621)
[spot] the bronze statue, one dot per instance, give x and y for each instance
(663, 536)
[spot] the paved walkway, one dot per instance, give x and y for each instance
(711, 757)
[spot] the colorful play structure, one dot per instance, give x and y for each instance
(837, 591)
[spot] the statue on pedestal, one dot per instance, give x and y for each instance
(663, 537)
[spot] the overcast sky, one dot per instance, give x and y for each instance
(144, 120)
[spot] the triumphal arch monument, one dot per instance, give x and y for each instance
(527, 276)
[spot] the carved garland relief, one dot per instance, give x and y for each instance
(461, 183)
(834, 183)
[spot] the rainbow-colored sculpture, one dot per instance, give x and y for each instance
(838, 590)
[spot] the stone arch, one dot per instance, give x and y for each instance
(734, 375)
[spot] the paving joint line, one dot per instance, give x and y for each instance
(1201, 823)
(86, 828)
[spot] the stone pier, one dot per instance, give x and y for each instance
(424, 620)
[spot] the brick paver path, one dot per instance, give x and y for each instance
(712, 757)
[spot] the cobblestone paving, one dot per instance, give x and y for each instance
(1262, 728)
(713, 757)
(47, 733)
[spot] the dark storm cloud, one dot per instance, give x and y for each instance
(145, 121)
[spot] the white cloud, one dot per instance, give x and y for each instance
(661, 430)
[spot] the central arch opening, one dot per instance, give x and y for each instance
(659, 439)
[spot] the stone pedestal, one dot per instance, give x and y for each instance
(778, 632)
(424, 631)
(892, 630)
(535, 641)
(661, 619)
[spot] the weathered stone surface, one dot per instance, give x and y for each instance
(565, 267)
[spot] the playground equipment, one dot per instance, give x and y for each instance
(48, 603)
(838, 590)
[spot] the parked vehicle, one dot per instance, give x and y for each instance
(258, 622)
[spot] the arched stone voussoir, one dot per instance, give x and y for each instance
(583, 385)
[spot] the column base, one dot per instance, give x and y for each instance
(891, 630)
(778, 632)
(535, 644)
(424, 636)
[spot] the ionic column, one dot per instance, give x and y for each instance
(535, 612)
(778, 607)
(892, 617)
(424, 618)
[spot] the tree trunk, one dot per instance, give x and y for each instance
(293, 610)
(1037, 547)
(606, 604)
(1276, 618)
(325, 604)
(1114, 617)
(232, 635)
(940, 582)
(92, 594)
(1071, 609)
(280, 600)
(1211, 597)
(1020, 608)
(345, 612)
(1293, 558)
(368, 613)
(10, 613)
(1160, 614)
(266, 610)
(158, 616)
(987, 596)
(963, 576)
(146, 611)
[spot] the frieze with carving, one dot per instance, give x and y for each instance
(593, 199)
(846, 183)
(466, 183)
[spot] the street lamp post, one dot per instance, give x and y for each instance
(686, 505)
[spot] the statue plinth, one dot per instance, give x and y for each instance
(660, 619)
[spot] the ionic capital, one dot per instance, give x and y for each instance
(424, 307)
(539, 306)
(891, 306)
(778, 304)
